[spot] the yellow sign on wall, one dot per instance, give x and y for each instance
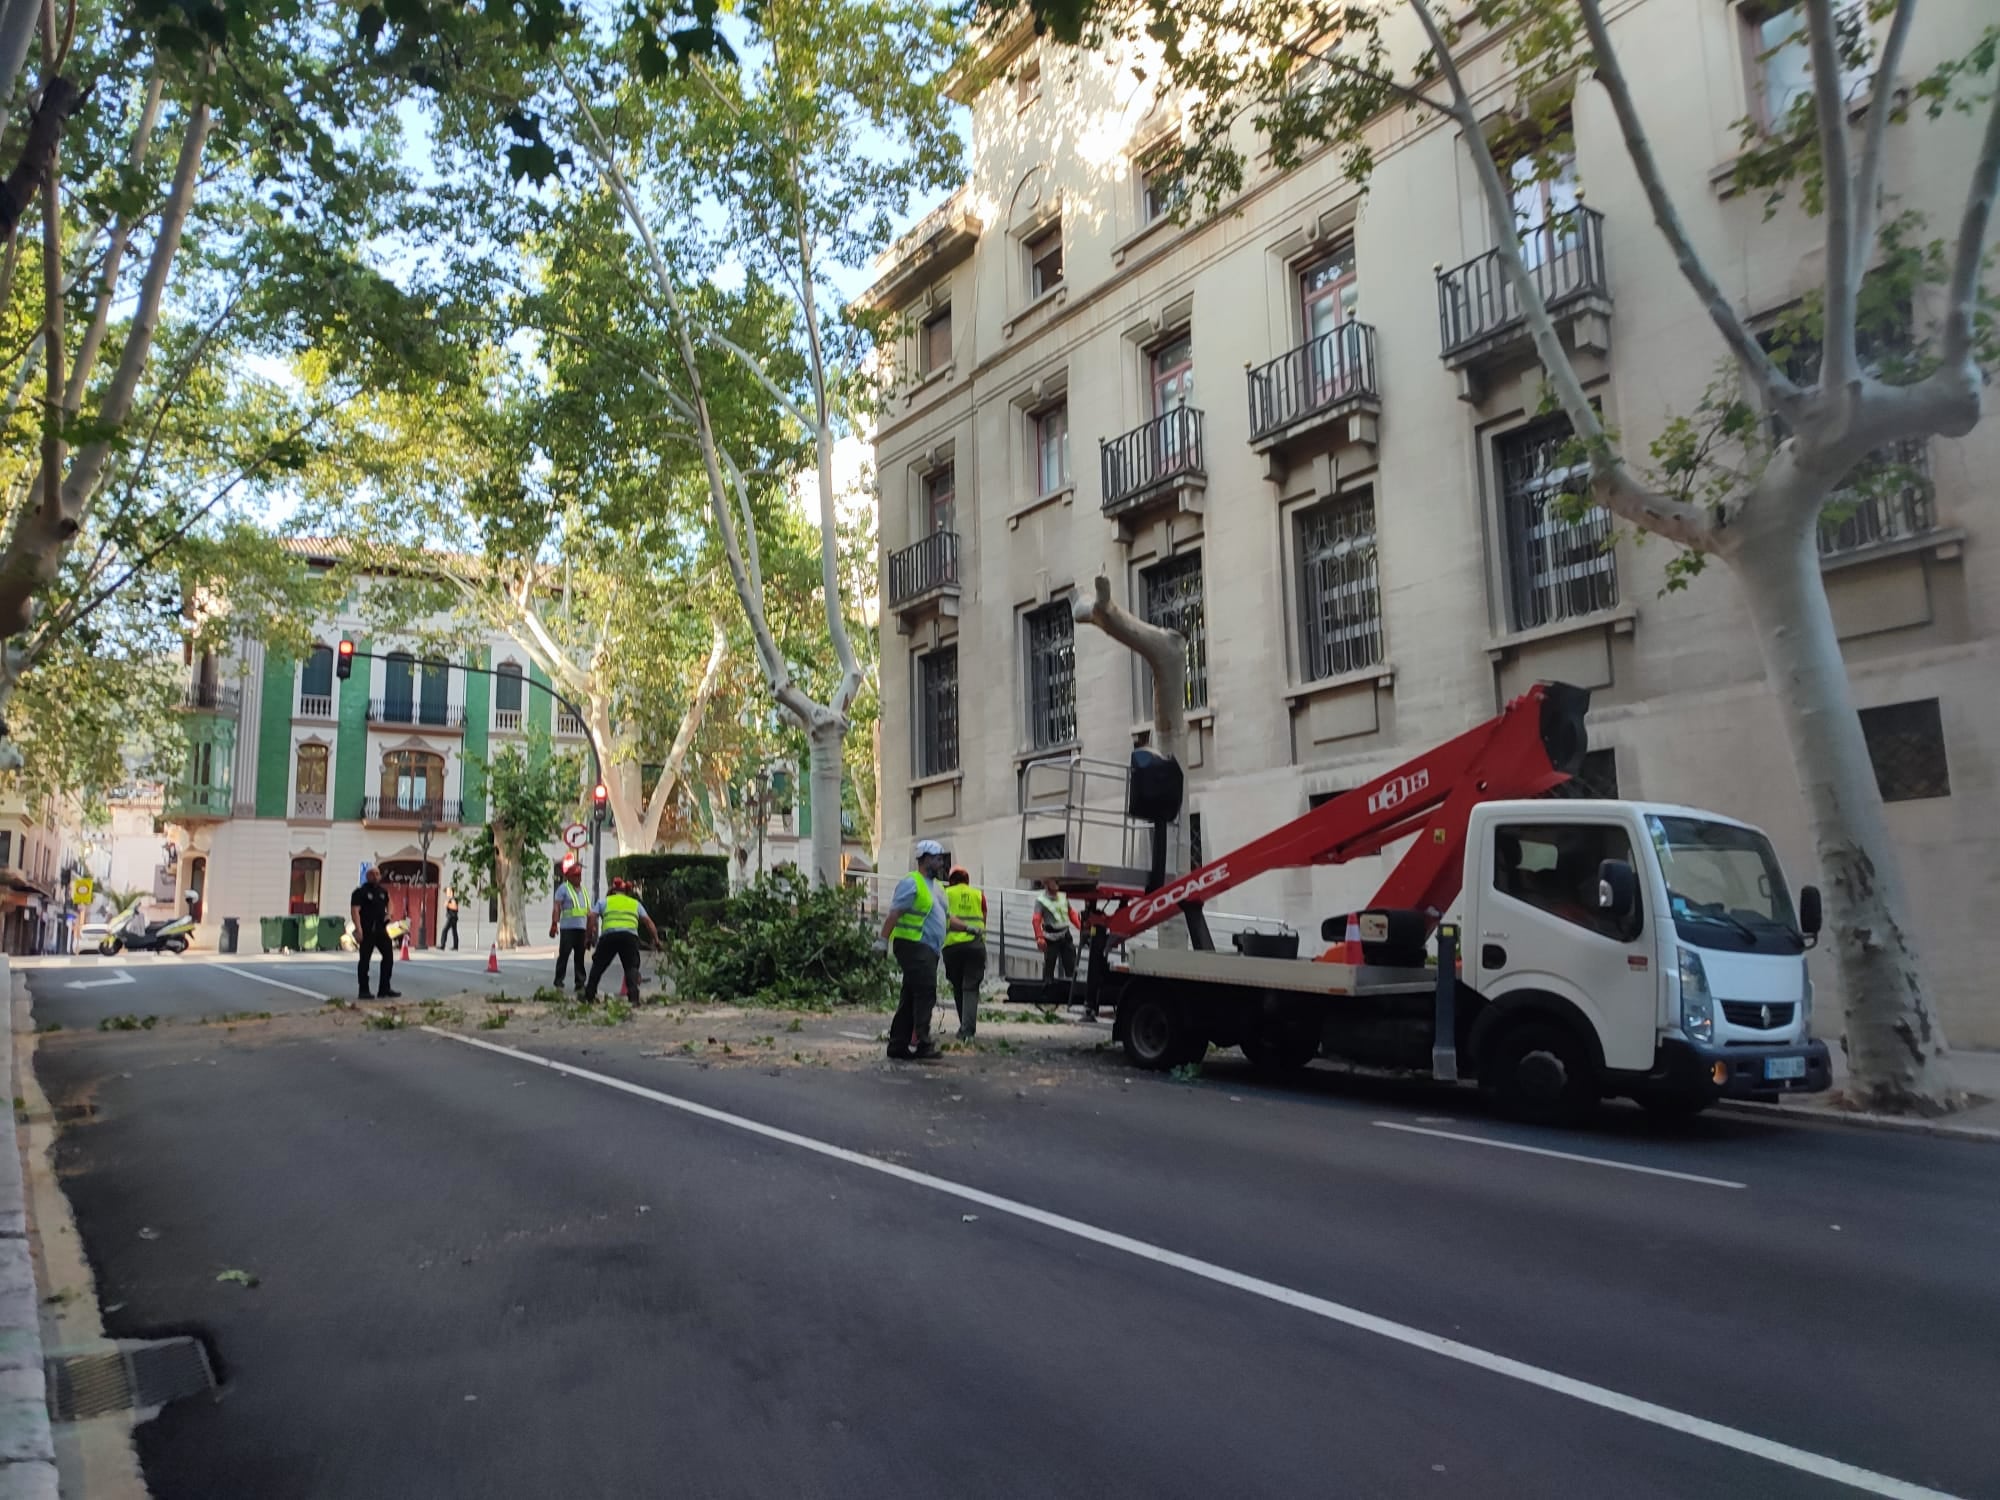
(81, 890)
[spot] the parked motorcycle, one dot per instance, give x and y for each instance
(130, 930)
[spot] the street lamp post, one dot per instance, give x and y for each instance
(426, 830)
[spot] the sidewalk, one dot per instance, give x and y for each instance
(1976, 1073)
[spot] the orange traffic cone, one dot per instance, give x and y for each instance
(493, 959)
(406, 948)
(1350, 944)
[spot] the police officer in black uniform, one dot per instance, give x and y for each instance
(369, 906)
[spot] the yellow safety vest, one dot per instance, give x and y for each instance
(967, 904)
(910, 925)
(621, 913)
(575, 908)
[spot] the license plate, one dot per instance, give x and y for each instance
(1784, 1067)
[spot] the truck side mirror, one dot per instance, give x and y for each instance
(1809, 913)
(1618, 892)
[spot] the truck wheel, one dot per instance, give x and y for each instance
(1158, 1035)
(1538, 1071)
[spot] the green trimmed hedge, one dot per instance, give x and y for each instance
(671, 884)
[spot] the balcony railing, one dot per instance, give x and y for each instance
(569, 726)
(210, 697)
(1899, 508)
(315, 705)
(1565, 260)
(443, 811)
(191, 799)
(1325, 372)
(507, 720)
(309, 805)
(1162, 452)
(412, 711)
(923, 568)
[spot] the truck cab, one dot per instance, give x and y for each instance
(1644, 949)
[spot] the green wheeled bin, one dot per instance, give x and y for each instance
(290, 927)
(273, 932)
(309, 934)
(331, 931)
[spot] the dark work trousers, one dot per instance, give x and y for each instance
(374, 940)
(570, 941)
(910, 1027)
(964, 970)
(450, 928)
(1059, 956)
(610, 945)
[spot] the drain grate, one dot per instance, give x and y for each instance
(131, 1376)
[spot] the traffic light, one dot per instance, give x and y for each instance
(343, 660)
(600, 799)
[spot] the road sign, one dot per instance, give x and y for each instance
(576, 835)
(81, 890)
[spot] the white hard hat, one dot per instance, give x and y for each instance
(929, 847)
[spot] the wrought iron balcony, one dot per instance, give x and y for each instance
(1153, 461)
(1477, 305)
(211, 698)
(416, 713)
(1320, 379)
(923, 570)
(443, 811)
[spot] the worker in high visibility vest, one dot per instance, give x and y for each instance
(569, 921)
(965, 948)
(917, 923)
(618, 918)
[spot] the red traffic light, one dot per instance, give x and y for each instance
(343, 660)
(600, 794)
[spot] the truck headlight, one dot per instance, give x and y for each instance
(1697, 1005)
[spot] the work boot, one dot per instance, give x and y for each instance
(925, 1051)
(389, 995)
(367, 994)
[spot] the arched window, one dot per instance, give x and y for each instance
(316, 684)
(309, 790)
(507, 690)
(399, 688)
(412, 780)
(305, 885)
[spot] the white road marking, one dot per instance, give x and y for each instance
(296, 989)
(859, 1036)
(1595, 1161)
(118, 976)
(1785, 1454)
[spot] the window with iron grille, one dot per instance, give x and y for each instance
(1051, 648)
(1906, 748)
(1172, 593)
(937, 712)
(1340, 604)
(1558, 543)
(1596, 777)
(1887, 497)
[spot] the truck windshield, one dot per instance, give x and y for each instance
(1724, 886)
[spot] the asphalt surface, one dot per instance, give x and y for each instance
(478, 1277)
(80, 993)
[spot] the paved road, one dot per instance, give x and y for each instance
(481, 1277)
(78, 993)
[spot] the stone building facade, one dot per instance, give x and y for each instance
(1309, 431)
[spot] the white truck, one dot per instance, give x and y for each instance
(1610, 948)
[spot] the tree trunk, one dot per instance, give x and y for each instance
(1895, 1044)
(513, 895)
(824, 765)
